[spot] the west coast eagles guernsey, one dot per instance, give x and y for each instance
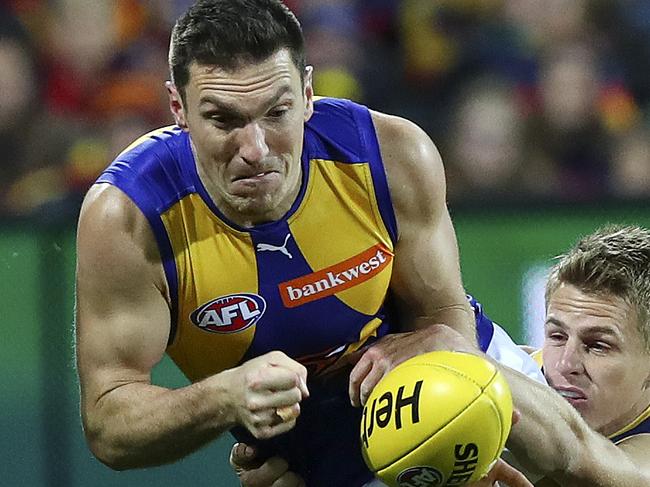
(312, 284)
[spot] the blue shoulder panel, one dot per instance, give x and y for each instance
(155, 175)
(484, 325)
(343, 131)
(154, 172)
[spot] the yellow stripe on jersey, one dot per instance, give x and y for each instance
(208, 236)
(537, 356)
(343, 195)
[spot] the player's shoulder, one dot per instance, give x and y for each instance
(398, 129)
(168, 135)
(637, 447)
(114, 237)
(405, 146)
(413, 165)
(164, 150)
(107, 210)
(155, 171)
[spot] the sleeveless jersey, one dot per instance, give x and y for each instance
(312, 284)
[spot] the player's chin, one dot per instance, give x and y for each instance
(254, 203)
(258, 192)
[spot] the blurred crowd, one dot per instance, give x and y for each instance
(542, 100)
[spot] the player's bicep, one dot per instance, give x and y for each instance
(426, 272)
(122, 321)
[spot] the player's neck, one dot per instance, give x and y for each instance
(629, 417)
(242, 216)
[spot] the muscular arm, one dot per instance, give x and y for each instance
(552, 439)
(123, 323)
(426, 283)
(426, 274)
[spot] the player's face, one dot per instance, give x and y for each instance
(595, 358)
(247, 130)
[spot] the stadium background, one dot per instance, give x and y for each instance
(539, 107)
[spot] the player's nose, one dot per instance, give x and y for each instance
(571, 360)
(251, 140)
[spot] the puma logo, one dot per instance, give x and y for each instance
(273, 248)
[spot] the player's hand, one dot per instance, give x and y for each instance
(391, 350)
(274, 472)
(265, 394)
(503, 474)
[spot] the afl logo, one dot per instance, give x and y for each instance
(229, 314)
(420, 477)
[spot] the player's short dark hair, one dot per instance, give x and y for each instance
(613, 260)
(227, 33)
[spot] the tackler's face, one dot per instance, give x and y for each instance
(595, 358)
(247, 128)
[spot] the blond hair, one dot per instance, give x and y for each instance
(612, 260)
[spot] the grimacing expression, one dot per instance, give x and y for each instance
(247, 127)
(595, 358)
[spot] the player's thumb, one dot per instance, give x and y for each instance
(243, 457)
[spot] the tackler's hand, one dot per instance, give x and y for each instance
(252, 472)
(391, 350)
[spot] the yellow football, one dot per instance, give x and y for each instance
(438, 419)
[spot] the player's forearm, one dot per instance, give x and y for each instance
(550, 437)
(139, 425)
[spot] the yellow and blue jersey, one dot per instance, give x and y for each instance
(312, 284)
(639, 426)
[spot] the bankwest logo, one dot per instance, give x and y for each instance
(336, 278)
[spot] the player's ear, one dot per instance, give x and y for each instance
(176, 105)
(308, 92)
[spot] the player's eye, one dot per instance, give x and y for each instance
(556, 337)
(599, 347)
(278, 112)
(222, 121)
